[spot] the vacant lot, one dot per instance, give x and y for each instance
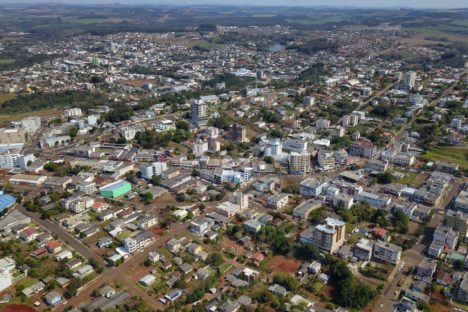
(282, 264)
(457, 155)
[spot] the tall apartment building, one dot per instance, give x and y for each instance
(326, 159)
(409, 81)
(237, 133)
(329, 236)
(199, 113)
(11, 136)
(299, 163)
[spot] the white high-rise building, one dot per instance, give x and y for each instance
(199, 113)
(409, 80)
(329, 236)
(274, 148)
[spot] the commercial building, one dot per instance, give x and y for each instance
(115, 189)
(329, 236)
(373, 199)
(6, 201)
(29, 180)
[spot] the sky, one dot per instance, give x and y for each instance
(349, 3)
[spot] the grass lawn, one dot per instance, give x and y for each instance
(407, 180)
(26, 282)
(317, 287)
(457, 155)
(223, 268)
(5, 120)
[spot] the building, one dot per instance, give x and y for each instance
(73, 112)
(409, 81)
(29, 180)
(326, 159)
(387, 252)
(142, 239)
(462, 294)
(295, 145)
(6, 279)
(305, 208)
(274, 148)
(373, 199)
(363, 149)
(6, 201)
(11, 136)
(299, 163)
(149, 170)
(31, 124)
(115, 189)
(278, 201)
(461, 201)
(165, 125)
(199, 113)
(311, 187)
(329, 236)
(53, 298)
(199, 147)
(237, 133)
(363, 249)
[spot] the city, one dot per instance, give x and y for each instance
(278, 159)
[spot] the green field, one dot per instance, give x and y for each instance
(457, 155)
(6, 97)
(7, 61)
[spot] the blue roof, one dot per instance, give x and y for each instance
(6, 201)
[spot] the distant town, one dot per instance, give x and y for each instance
(235, 168)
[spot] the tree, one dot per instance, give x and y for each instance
(215, 259)
(401, 222)
(268, 159)
(384, 178)
(148, 197)
(73, 132)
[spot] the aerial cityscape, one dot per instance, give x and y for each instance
(224, 157)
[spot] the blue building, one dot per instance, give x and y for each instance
(6, 201)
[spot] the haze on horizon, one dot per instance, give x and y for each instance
(341, 3)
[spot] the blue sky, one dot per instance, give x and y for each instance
(361, 3)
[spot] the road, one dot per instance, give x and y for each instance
(400, 134)
(63, 235)
(415, 255)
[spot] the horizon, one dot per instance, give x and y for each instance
(415, 4)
